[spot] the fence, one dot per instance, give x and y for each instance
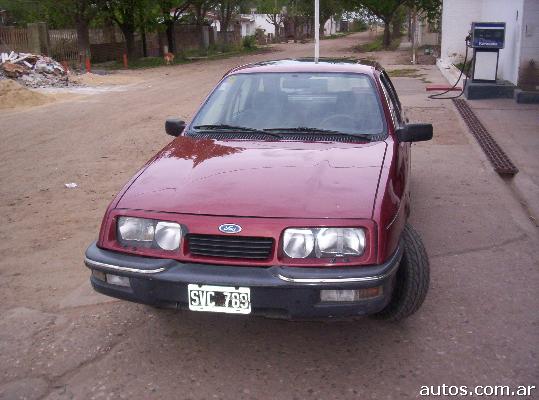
(13, 39)
(106, 44)
(63, 45)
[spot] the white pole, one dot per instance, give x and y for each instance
(316, 30)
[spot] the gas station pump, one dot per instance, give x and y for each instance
(487, 38)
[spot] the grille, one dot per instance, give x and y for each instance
(230, 246)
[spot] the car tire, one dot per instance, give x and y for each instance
(412, 280)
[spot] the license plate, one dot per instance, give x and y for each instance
(222, 299)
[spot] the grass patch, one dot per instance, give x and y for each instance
(405, 73)
(182, 58)
(140, 63)
(335, 35)
(377, 45)
(467, 66)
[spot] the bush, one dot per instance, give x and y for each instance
(249, 42)
(358, 25)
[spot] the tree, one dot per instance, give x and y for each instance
(200, 9)
(226, 9)
(274, 11)
(398, 20)
(385, 10)
(171, 11)
(57, 14)
(328, 9)
(124, 14)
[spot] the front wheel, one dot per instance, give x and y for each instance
(412, 280)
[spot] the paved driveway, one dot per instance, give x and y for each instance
(59, 340)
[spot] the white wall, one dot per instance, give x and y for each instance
(331, 27)
(510, 12)
(530, 34)
(247, 28)
(457, 16)
(261, 22)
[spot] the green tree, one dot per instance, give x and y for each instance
(125, 14)
(57, 14)
(385, 10)
(328, 9)
(170, 12)
(274, 11)
(200, 9)
(22, 12)
(226, 10)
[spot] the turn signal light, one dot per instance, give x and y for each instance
(342, 296)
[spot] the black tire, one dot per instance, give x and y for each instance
(412, 280)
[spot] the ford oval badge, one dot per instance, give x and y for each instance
(230, 228)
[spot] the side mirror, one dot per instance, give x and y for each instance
(414, 133)
(174, 126)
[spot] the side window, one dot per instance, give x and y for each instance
(392, 109)
(392, 90)
(393, 100)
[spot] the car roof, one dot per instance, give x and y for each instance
(345, 65)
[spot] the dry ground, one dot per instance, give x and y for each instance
(59, 340)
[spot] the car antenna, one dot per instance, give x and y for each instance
(316, 30)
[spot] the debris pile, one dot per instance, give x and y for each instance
(33, 70)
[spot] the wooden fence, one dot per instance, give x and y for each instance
(106, 44)
(63, 45)
(12, 38)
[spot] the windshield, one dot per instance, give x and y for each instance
(344, 103)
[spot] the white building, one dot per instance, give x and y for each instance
(521, 52)
(262, 22)
(248, 26)
(331, 27)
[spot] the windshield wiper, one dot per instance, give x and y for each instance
(328, 132)
(225, 127)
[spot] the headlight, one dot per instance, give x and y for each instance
(168, 235)
(298, 243)
(142, 232)
(323, 242)
(335, 242)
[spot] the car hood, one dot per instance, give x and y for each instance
(260, 179)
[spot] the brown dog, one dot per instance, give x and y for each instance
(169, 58)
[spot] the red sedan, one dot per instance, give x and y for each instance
(287, 195)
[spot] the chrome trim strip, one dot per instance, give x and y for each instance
(339, 280)
(91, 263)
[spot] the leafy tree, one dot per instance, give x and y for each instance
(386, 10)
(171, 11)
(200, 9)
(22, 12)
(274, 11)
(58, 14)
(124, 13)
(328, 9)
(226, 9)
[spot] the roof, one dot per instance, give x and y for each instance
(308, 65)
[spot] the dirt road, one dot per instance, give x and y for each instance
(60, 340)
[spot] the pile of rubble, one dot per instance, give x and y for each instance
(33, 70)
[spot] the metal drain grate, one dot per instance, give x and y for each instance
(501, 162)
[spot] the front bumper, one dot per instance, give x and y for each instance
(278, 291)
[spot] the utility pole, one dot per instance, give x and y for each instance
(316, 30)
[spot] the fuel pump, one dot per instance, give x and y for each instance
(487, 38)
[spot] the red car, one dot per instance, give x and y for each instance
(287, 195)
